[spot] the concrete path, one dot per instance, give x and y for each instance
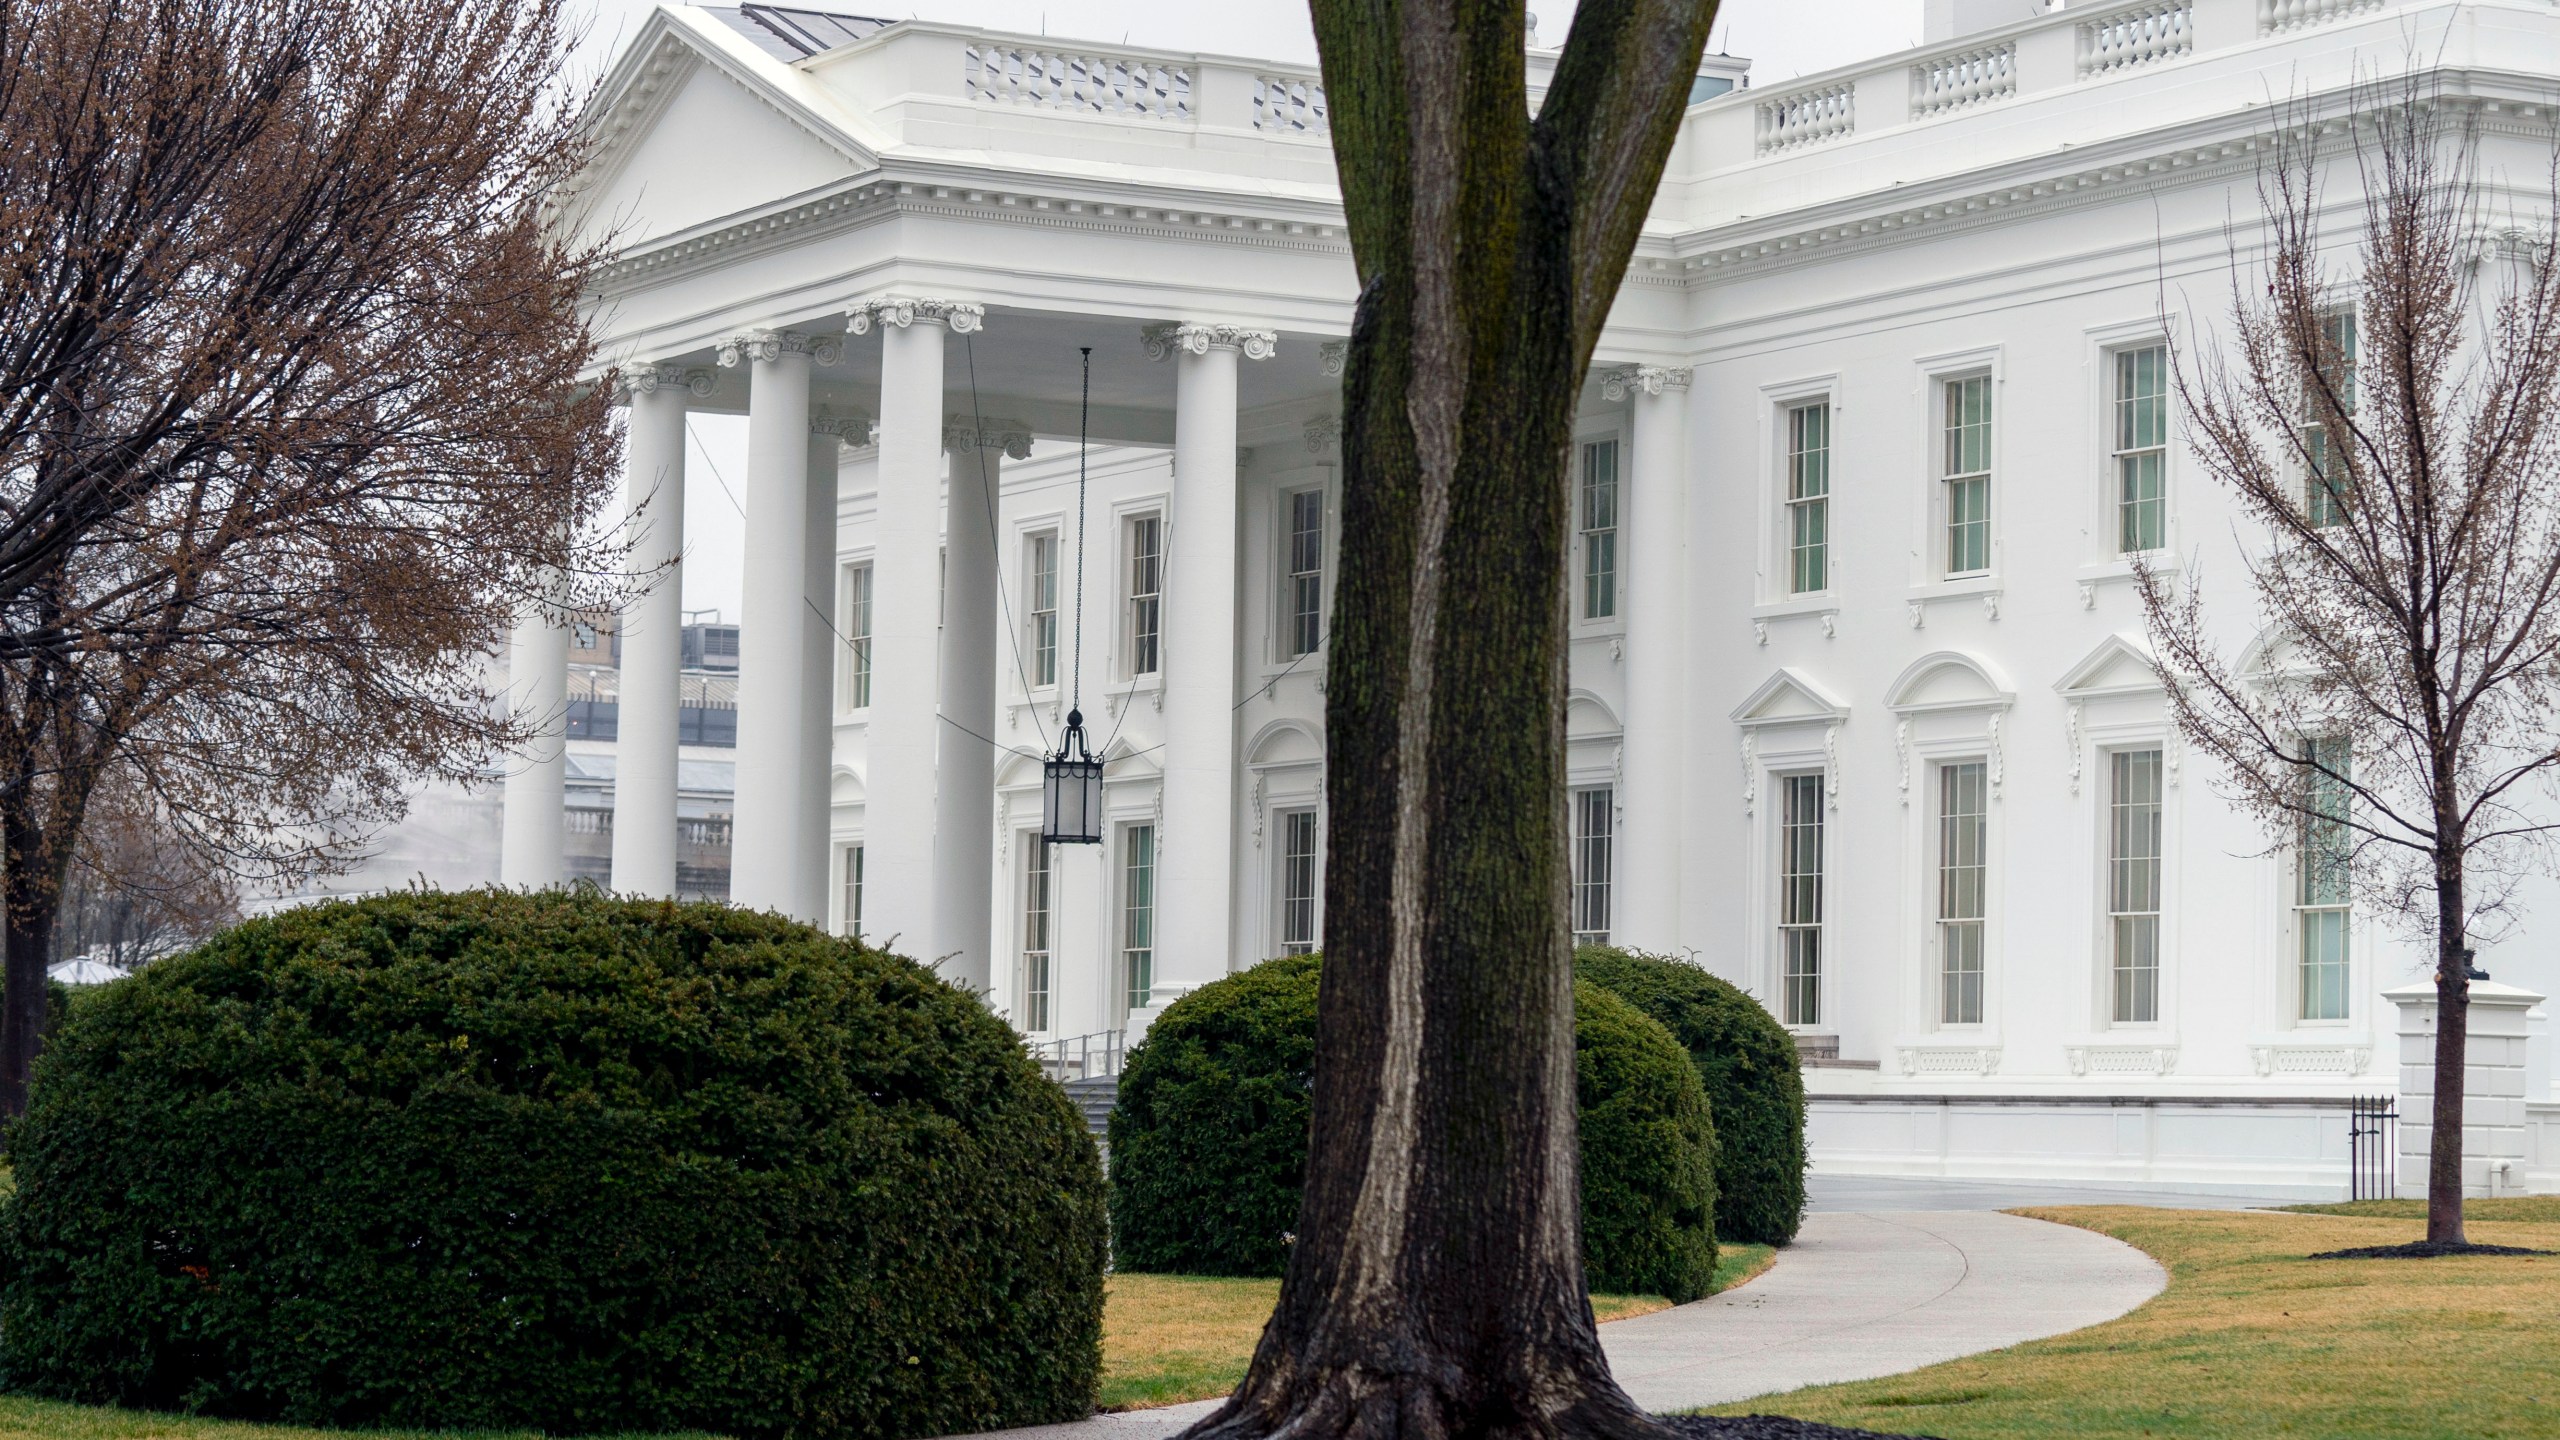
(1860, 1294)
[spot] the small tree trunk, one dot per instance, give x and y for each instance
(2453, 1036)
(29, 906)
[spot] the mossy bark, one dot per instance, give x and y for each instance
(1436, 1287)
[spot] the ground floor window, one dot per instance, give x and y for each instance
(1963, 868)
(2133, 884)
(1138, 913)
(2322, 895)
(1800, 899)
(1594, 830)
(1298, 880)
(853, 890)
(1036, 954)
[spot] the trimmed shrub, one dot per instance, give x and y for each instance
(1754, 1080)
(1209, 1140)
(554, 1162)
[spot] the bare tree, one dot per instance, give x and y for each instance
(291, 418)
(2389, 432)
(134, 891)
(1436, 1288)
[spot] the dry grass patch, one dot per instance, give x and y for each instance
(1171, 1338)
(24, 1418)
(2251, 1339)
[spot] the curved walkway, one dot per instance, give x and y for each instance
(1860, 1294)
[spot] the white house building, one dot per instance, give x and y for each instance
(1862, 715)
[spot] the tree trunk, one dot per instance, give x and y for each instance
(2453, 1035)
(28, 908)
(1436, 1287)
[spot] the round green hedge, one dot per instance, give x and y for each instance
(555, 1162)
(1754, 1079)
(1209, 1139)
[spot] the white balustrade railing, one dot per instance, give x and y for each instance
(1951, 82)
(1084, 84)
(1290, 105)
(1808, 117)
(2163, 30)
(2279, 15)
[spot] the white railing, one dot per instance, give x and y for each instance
(1808, 117)
(2163, 30)
(1951, 82)
(1290, 105)
(1084, 84)
(2277, 15)
(1082, 1057)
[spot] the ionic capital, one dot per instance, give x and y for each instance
(1171, 337)
(650, 379)
(771, 345)
(962, 432)
(1323, 432)
(1333, 353)
(852, 427)
(963, 317)
(1618, 384)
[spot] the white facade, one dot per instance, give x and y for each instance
(1917, 295)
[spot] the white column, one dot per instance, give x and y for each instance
(965, 798)
(906, 578)
(652, 632)
(1195, 884)
(1645, 855)
(767, 831)
(818, 649)
(529, 852)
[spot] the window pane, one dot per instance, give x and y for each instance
(1594, 834)
(1297, 882)
(1967, 473)
(2324, 853)
(2327, 483)
(1963, 871)
(1035, 935)
(1800, 899)
(1146, 594)
(1600, 530)
(1304, 622)
(857, 634)
(1808, 498)
(2133, 884)
(1138, 913)
(1043, 609)
(853, 890)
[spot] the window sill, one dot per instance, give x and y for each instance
(1812, 602)
(1985, 588)
(1123, 692)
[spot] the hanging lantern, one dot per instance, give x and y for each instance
(1071, 790)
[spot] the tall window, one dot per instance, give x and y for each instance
(853, 890)
(1800, 899)
(1809, 498)
(1965, 470)
(1035, 936)
(1146, 594)
(1599, 517)
(1138, 914)
(1594, 832)
(1304, 623)
(1041, 607)
(857, 637)
(2321, 893)
(1963, 867)
(2142, 449)
(2326, 485)
(2133, 884)
(1297, 882)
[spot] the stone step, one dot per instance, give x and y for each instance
(1094, 1097)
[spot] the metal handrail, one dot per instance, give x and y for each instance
(1082, 1057)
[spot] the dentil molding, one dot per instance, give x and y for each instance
(1168, 338)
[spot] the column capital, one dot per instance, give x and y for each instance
(963, 432)
(1625, 380)
(853, 427)
(771, 345)
(1170, 337)
(1334, 354)
(649, 379)
(964, 317)
(1324, 431)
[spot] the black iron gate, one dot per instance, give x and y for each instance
(2372, 1162)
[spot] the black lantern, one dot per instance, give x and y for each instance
(1071, 790)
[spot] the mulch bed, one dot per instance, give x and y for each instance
(2424, 1250)
(1770, 1427)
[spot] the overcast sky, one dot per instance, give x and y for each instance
(1782, 38)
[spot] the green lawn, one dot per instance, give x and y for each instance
(1171, 1338)
(25, 1419)
(2252, 1339)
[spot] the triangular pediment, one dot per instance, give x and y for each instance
(1789, 696)
(2121, 665)
(1949, 680)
